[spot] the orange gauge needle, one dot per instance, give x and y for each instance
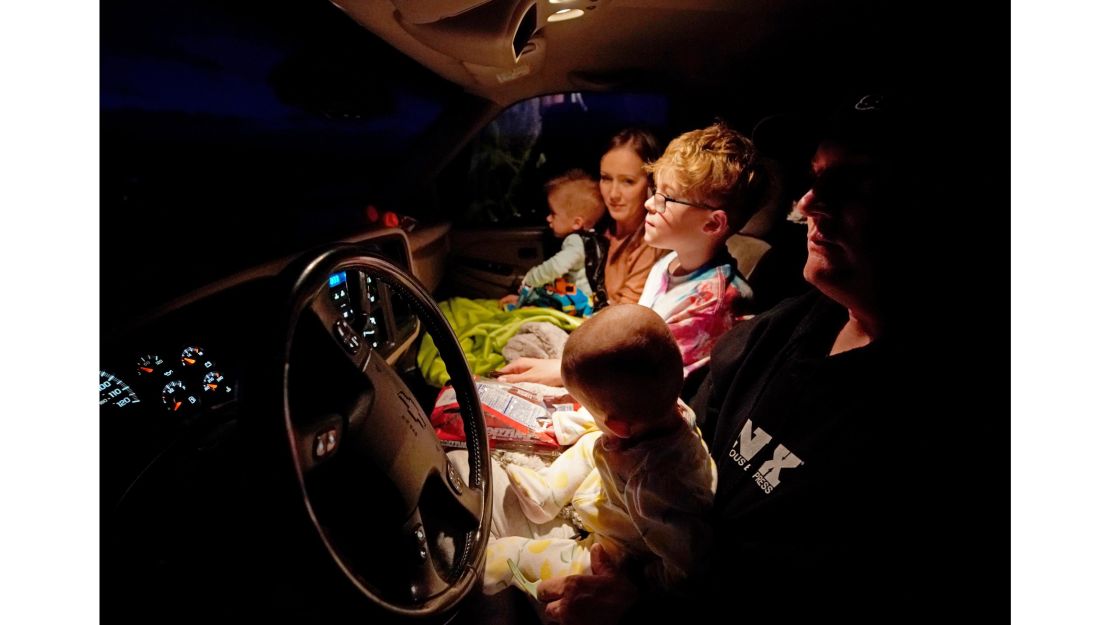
(213, 386)
(176, 405)
(147, 369)
(190, 361)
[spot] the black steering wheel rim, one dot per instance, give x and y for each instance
(390, 413)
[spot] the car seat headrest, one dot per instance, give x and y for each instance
(774, 203)
(750, 242)
(746, 250)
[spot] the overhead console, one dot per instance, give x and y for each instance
(496, 40)
(484, 43)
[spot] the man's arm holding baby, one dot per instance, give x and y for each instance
(603, 596)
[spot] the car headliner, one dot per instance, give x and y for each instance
(780, 49)
(775, 53)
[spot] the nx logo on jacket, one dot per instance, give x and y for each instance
(748, 444)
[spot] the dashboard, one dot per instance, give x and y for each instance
(174, 376)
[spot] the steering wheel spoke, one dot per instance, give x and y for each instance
(347, 340)
(423, 574)
(334, 395)
(397, 433)
(469, 499)
(318, 441)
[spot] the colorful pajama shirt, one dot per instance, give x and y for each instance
(698, 307)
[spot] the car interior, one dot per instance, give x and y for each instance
(292, 187)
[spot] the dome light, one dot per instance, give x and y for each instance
(563, 15)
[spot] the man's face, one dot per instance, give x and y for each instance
(839, 213)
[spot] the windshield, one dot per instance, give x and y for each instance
(500, 176)
(234, 135)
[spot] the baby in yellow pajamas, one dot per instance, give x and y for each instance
(642, 484)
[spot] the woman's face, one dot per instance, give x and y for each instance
(624, 186)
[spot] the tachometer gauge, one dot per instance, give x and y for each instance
(115, 393)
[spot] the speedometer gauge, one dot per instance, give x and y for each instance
(115, 393)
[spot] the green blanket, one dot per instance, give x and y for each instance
(483, 329)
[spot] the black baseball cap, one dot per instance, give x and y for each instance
(874, 122)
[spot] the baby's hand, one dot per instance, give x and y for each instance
(512, 298)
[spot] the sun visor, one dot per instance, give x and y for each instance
(530, 61)
(428, 11)
(493, 34)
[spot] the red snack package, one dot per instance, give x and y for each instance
(516, 418)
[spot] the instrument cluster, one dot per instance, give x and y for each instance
(183, 383)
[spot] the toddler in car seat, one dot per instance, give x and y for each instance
(642, 485)
(575, 205)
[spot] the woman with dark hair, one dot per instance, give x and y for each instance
(624, 187)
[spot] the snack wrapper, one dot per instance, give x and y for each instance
(517, 418)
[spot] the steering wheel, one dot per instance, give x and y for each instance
(395, 516)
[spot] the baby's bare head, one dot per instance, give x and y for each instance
(623, 362)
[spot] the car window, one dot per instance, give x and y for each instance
(500, 176)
